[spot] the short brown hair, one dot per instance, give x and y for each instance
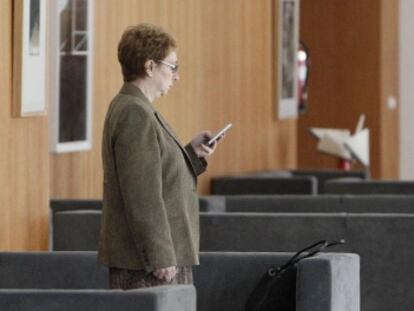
(140, 43)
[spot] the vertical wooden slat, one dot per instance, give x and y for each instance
(390, 142)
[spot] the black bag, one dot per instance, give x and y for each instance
(276, 290)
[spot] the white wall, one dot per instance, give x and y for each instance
(406, 89)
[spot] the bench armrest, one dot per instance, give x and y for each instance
(328, 283)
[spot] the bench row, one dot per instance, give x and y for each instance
(236, 185)
(335, 203)
(380, 240)
(73, 281)
(306, 180)
(373, 203)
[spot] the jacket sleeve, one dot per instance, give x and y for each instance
(199, 164)
(138, 164)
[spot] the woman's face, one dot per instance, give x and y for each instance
(166, 73)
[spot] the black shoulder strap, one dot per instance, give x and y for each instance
(307, 252)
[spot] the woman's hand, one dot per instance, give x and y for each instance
(200, 146)
(165, 273)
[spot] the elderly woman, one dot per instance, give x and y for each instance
(149, 232)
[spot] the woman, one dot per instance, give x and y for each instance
(149, 232)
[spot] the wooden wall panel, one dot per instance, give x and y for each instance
(390, 137)
(237, 75)
(353, 69)
(24, 158)
(226, 57)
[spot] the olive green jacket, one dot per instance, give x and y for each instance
(150, 216)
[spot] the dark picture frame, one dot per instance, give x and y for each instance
(71, 75)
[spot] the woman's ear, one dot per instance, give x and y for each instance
(149, 65)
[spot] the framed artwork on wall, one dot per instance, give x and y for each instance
(71, 75)
(288, 40)
(29, 58)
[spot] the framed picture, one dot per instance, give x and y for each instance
(71, 75)
(288, 41)
(29, 58)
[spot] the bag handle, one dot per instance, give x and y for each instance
(311, 250)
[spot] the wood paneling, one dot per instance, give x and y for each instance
(406, 65)
(390, 137)
(353, 53)
(226, 57)
(24, 158)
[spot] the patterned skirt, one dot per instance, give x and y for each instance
(131, 279)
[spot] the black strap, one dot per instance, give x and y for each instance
(311, 250)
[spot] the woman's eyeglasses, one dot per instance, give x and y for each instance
(174, 68)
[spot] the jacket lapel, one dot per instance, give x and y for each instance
(172, 134)
(130, 89)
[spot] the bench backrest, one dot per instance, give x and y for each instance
(321, 175)
(231, 185)
(58, 270)
(335, 203)
(340, 186)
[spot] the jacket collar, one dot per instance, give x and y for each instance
(130, 89)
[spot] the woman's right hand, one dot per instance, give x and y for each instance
(165, 273)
